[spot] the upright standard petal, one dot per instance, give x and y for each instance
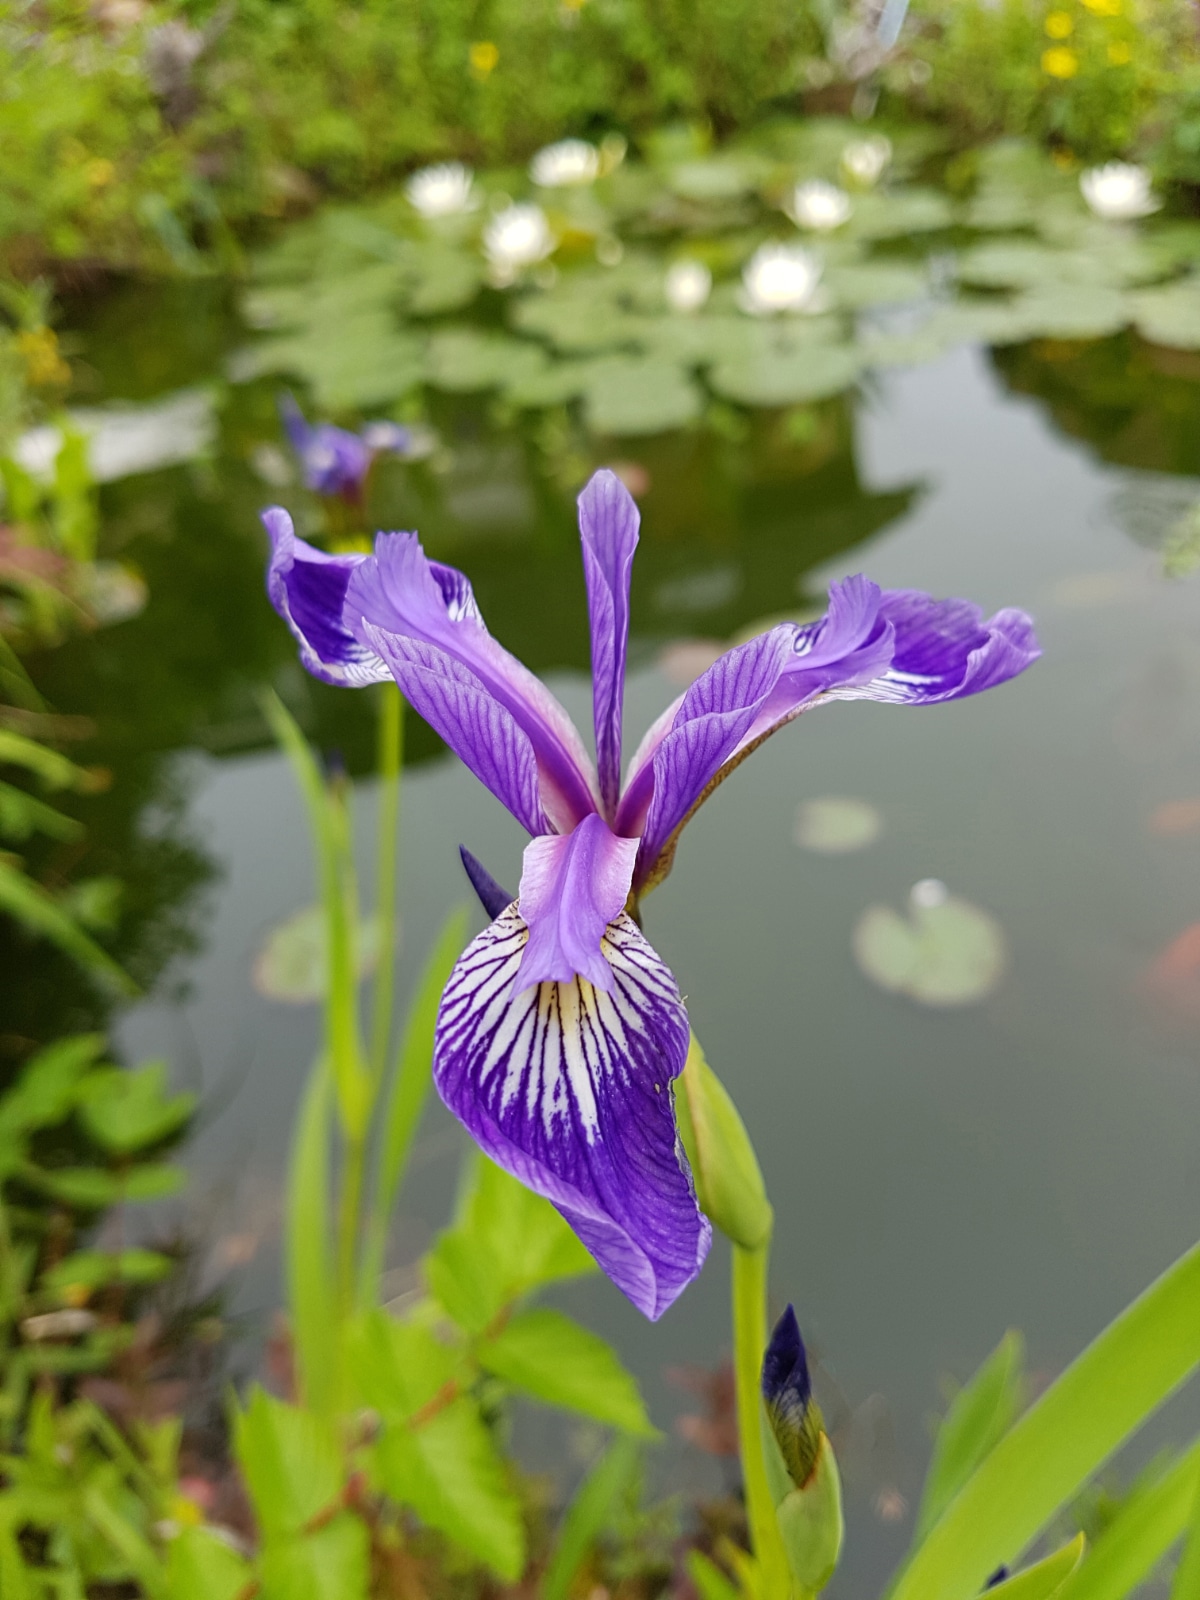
(569, 1089)
(399, 592)
(308, 589)
(572, 886)
(608, 527)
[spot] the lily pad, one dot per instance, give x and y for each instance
(944, 952)
(293, 962)
(630, 395)
(896, 215)
(1079, 311)
(782, 377)
(1169, 316)
(538, 380)
(875, 283)
(834, 825)
(715, 178)
(364, 361)
(462, 360)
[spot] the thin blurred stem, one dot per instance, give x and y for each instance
(749, 1343)
(349, 1211)
(391, 758)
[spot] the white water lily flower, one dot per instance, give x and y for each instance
(864, 160)
(567, 164)
(516, 237)
(687, 285)
(442, 191)
(818, 205)
(780, 277)
(1118, 191)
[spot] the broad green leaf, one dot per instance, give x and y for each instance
(29, 904)
(505, 1242)
(1171, 315)
(587, 1515)
(48, 1085)
(153, 1180)
(782, 378)
(412, 1075)
(449, 1471)
(201, 1566)
(465, 359)
(1139, 1536)
(638, 395)
(1045, 1580)
(290, 1460)
(397, 1368)
(331, 1563)
(946, 952)
(86, 1270)
(545, 1354)
(979, 1415)
(1052, 1450)
(311, 1274)
(128, 1109)
(1072, 311)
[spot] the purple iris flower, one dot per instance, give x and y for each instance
(561, 1030)
(333, 461)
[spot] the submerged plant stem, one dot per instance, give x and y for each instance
(749, 1343)
(391, 757)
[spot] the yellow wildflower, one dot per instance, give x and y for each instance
(1060, 63)
(1060, 24)
(483, 56)
(1120, 53)
(99, 172)
(1104, 8)
(185, 1513)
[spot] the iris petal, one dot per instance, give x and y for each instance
(572, 887)
(569, 1089)
(308, 589)
(608, 527)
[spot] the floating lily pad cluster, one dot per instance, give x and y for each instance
(642, 290)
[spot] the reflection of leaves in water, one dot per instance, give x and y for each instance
(1152, 508)
(1181, 553)
(292, 964)
(834, 825)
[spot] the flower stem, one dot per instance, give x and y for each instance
(391, 756)
(749, 1343)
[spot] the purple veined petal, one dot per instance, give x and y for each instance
(400, 592)
(710, 725)
(572, 886)
(608, 528)
(638, 788)
(481, 732)
(332, 460)
(569, 1089)
(308, 589)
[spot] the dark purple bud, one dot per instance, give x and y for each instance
(1000, 1574)
(794, 1416)
(492, 897)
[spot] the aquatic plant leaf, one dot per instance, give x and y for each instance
(718, 177)
(290, 1461)
(547, 1355)
(898, 214)
(449, 1471)
(1127, 1552)
(292, 964)
(1048, 1454)
(1076, 311)
(441, 278)
(783, 377)
(505, 1241)
(950, 954)
(1169, 316)
(587, 1515)
(634, 396)
(836, 824)
(1045, 1580)
(359, 362)
(464, 359)
(875, 283)
(578, 319)
(980, 1414)
(538, 380)
(127, 1109)
(201, 1566)
(1025, 264)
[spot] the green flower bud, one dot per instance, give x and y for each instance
(810, 1522)
(729, 1184)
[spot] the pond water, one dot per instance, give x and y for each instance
(938, 1175)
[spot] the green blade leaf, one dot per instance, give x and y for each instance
(449, 1471)
(1141, 1533)
(29, 904)
(545, 1354)
(980, 1414)
(312, 1285)
(586, 1516)
(412, 1076)
(1045, 1580)
(711, 1583)
(290, 1460)
(1187, 1574)
(202, 1567)
(1047, 1456)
